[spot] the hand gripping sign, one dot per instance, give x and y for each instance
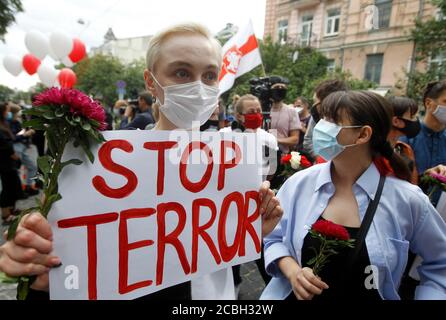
(154, 210)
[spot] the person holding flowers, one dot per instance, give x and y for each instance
(183, 63)
(348, 224)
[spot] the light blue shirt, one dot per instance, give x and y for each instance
(404, 219)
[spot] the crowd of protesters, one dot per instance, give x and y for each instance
(369, 153)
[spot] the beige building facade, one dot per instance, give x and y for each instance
(126, 50)
(369, 38)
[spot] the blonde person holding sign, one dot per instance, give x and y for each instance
(183, 63)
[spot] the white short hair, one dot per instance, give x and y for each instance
(157, 40)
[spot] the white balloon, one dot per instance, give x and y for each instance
(47, 74)
(60, 44)
(67, 62)
(37, 44)
(56, 83)
(52, 54)
(13, 65)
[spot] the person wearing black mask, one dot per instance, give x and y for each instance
(285, 120)
(404, 123)
(320, 93)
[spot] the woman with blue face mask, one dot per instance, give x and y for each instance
(381, 210)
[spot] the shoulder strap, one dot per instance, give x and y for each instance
(367, 221)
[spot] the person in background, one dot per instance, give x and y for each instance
(321, 92)
(249, 119)
(231, 107)
(25, 150)
(129, 114)
(285, 125)
(284, 119)
(118, 112)
(404, 123)
(303, 108)
(429, 145)
(11, 188)
(182, 61)
(108, 111)
(144, 117)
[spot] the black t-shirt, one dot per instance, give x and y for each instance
(343, 283)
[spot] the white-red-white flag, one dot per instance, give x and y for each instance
(241, 55)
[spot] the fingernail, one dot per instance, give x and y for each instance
(57, 266)
(56, 261)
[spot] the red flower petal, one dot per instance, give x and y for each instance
(330, 229)
(80, 103)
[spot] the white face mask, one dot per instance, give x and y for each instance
(188, 104)
(440, 114)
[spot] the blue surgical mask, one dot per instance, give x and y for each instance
(9, 116)
(325, 142)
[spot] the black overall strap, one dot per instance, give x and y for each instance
(367, 221)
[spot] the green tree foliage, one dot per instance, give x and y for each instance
(99, 74)
(430, 39)
(5, 93)
(8, 10)
(353, 84)
(134, 78)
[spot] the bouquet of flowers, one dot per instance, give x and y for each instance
(433, 182)
(64, 115)
(294, 162)
(331, 236)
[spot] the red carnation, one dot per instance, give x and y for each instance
(285, 158)
(331, 237)
(331, 230)
(320, 160)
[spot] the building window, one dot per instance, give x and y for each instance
(333, 21)
(373, 67)
(307, 30)
(384, 10)
(331, 66)
(282, 31)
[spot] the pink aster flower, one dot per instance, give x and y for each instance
(80, 104)
(438, 177)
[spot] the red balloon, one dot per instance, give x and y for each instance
(30, 63)
(78, 52)
(67, 78)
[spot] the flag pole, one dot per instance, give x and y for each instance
(263, 69)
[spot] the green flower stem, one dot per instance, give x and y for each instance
(320, 258)
(51, 188)
(431, 193)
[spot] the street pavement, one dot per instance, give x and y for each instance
(250, 288)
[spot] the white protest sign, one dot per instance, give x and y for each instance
(154, 210)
